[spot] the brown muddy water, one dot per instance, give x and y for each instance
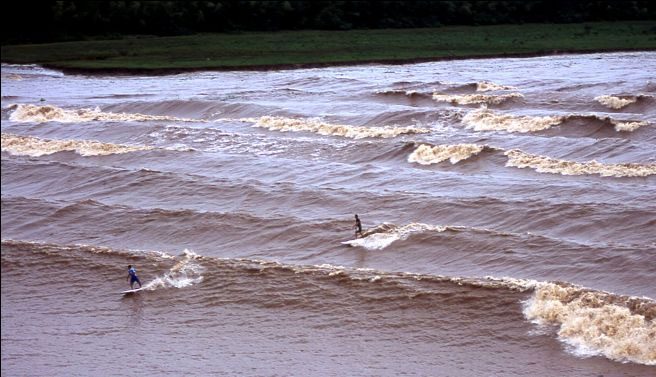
(509, 208)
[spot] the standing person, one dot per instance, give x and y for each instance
(132, 275)
(357, 226)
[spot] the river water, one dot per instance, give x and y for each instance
(508, 210)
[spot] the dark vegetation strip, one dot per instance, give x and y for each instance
(55, 21)
(291, 49)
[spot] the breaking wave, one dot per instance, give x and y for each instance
(542, 164)
(48, 113)
(487, 120)
(412, 94)
(317, 126)
(485, 86)
(384, 235)
(427, 154)
(617, 327)
(620, 328)
(468, 99)
(35, 147)
(618, 102)
(615, 102)
(186, 272)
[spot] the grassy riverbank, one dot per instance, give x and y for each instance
(315, 48)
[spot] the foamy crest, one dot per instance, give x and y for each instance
(485, 119)
(627, 126)
(407, 93)
(486, 86)
(317, 126)
(34, 146)
(488, 120)
(426, 155)
(50, 113)
(468, 99)
(595, 322)
(520, 159)
(615, 102)
(185, 273)
(384, 235)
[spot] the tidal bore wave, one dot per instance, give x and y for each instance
(426, 154)
(621, 328)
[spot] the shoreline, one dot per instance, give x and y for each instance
(303, 49)
(293, 66)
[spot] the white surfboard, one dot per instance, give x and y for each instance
(130, 291)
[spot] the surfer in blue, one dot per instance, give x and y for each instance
(132, 275)
(358, 227)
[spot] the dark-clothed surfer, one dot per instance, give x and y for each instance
(358, 227)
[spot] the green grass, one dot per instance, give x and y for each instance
(291, 48)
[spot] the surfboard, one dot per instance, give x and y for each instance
(131, 291)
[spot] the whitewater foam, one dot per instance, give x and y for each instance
(468, 99)
(487, 120)
(595, 323)
(485, 86)
(24, 113)
(484, 119)
(542, 164)
(185, 273)
(628, 126)
(426, 154)
(315, 125)
(35, 147)
(615, 102)
(384, 235)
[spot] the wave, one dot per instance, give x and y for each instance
(50, 248)
(422, 236)
(427, 154)
(416, 91)
(472, 87)
(317, 126)
(478, 86)
(380, 237)
(186, 272)
(542, 164)
(411, 94)
(618, 327)
(197, 110)
(469, 99)
(24, 113)
(618, 101)
(35, 147)
(487, 120)
(194, 268)
(485, 86)
(182, 227)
